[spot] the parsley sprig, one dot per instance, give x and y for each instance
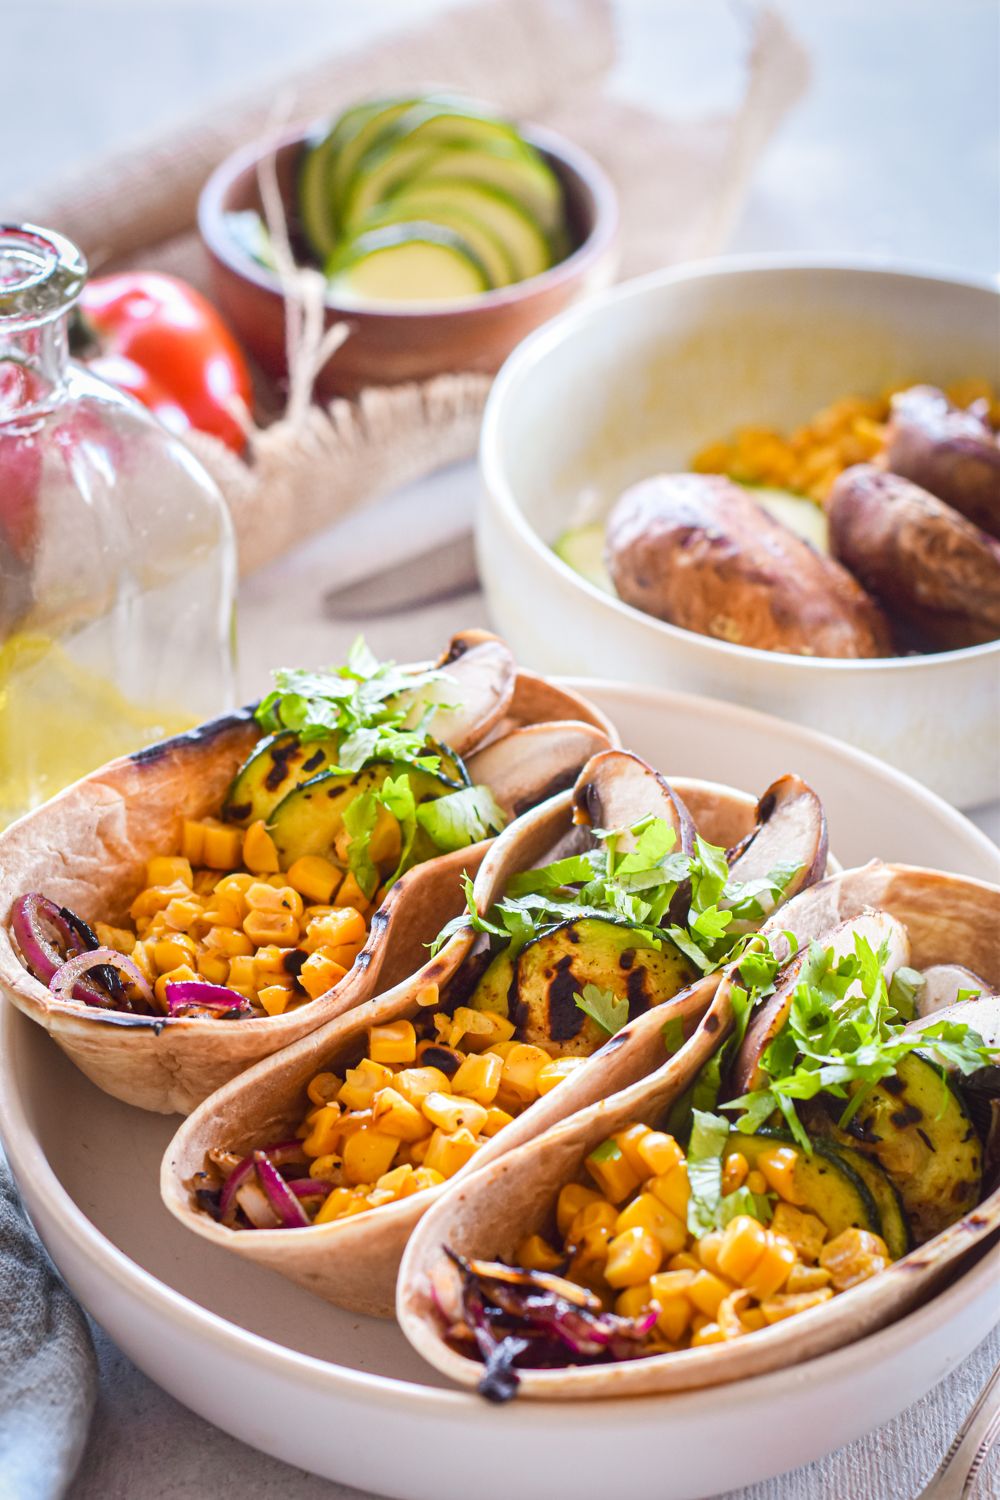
(846, 1031)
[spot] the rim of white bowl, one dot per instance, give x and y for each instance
(534, 349)
(31, 1164)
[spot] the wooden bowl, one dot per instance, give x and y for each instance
(411, 342)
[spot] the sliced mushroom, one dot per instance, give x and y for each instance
(954, 454)
(476, 691)
(982, 1014)
(941, 987)
(616, 789)
(876, 927)
(929, 566)
(791, 829)
(535, 762)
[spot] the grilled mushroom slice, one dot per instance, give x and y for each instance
(954, 454)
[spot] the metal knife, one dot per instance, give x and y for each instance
(445, 571)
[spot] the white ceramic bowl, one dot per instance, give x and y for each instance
(635, 383)
(346, 1396)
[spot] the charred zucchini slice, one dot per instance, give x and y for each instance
(917, 1128)
(553, 969)
(309, 818)
(276, 765)
(825, 1183)
(895, 1230)
(493, 991)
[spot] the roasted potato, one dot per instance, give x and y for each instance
(954, 454)
(698, 551)
(929, 566)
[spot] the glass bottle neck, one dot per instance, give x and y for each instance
(34, 364)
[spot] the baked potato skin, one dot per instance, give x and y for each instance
(954, 454)
(930, 567)
(698, 551)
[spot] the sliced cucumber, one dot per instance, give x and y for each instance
(517, 171)
(275, 765)
(484, 244)
(355, 134)
(525, 243)
(377, 176)
(800, 515)
(309, 818)
(582, 548)
(316, 206)
(407, 263)
(825, 1183)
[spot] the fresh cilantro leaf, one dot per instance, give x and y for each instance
(461, 818)
(608, 1010)
(360, 817)
(708, 1209)
(904, 988)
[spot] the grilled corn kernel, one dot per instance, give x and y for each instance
(227, 940)
(778, 1165)
(166, 870)
(496, 1119)
(756, 1182)
(416, 1083)
(394, 1042)
(478, 1077)
(334, 1205)
(707, 1291)
(386, 840)
(447, 1153)
(804, 1230)
(536, 1254)
(179, 975)
(734, 1171)
(221, 849)
(853, 1256)
(647, 1212)
(572, 1197)
(269, 964)
(732, 1310)
(224, 909)
(425, 1177)
(612, 1173)
(259, 852)
(325, 1133)
(325, 1166)
(118, 938)
(520, 1070)
(771, 1271)
(154, 899)
(397, 1116)
(241, 972)
(786, 1305)
(599, 1215)
(214, 967)
(672, 1189)
(324, 1088)
(275, 998)
(427, 996)
(314, 878)
(633, 1257)
(367, 1154)
(351, 894)
(659, 1153)
(362, 1083)
(707, 1250)
(668, 1291)
(342, 925)
(633, 1301)
(708, 1333)
(319, 974)
(193, 841)
(743, 1243)
(475, 1030)
(278, 927)
(451, 1113)
(629, 1140)
(169, 952)
(556, 1071)
(806, 1279)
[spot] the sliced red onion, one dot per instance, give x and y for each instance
(237, 1177)
(184, 992)
(308, 1187)
(63, 983)
(28, 919)
(284, 1202)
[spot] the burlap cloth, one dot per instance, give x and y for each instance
(680, 185)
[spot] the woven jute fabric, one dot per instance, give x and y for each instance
(680, 185)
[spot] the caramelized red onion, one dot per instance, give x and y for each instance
(63, 983)
(182, 993)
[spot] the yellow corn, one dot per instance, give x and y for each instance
(601, 1215)
(612, 1173)
(169, 952)
(167, 870)
(478, 1029)
(314, 878)
(278, 927)
(367, 1154)
(478, 1078)
(771, 1271)
(556, 1071)
(520, 1070)
(786, 1306)
(744, 1242)
(629, 1141)
(214, 967)
(275, 998)
(707, 1333)
(385, 843)
(224, 909)
(319, 974)
(259, 852)
(118, 938)
(633, 1301)
(756, 1181)
(647, 1212)
(396, 1116)
(852, 1256)
(324, 1087)
(241, 972)
(496, 1119)
(222, 847)
(351, 894)
(669, 1291)
(447, 1153)
(633, 1257)
(416, 1083)
(707, 1291)
(805, 1231)
(536, 1254)
(427, 996)
(572, 1197)
(659, 1153)
(173, 976)
(451, 1113)
(731, 1314)
(227, 940)
(393, 1042)
(672, 1189)
(325, 1132)
(806, 1279)
(362, 1083)
(193, 841)
(335, 1205)
(734, 1172)
(341, 925)
(778, 1164)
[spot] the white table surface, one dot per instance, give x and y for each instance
(893, 153)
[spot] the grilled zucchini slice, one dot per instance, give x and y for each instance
(825, 1183)
(309, 818)
(275, 765)
(895, 1230)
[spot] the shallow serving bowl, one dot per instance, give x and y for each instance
(636, 383)
(398, 342)
(323, 1388)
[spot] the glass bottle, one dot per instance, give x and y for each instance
(117, 567)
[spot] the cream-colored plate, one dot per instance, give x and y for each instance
(346, 1397)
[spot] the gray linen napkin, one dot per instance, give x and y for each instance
(48, 1372)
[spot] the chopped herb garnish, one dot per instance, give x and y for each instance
(461, 818)
(708, 1208)
(608, 1010)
